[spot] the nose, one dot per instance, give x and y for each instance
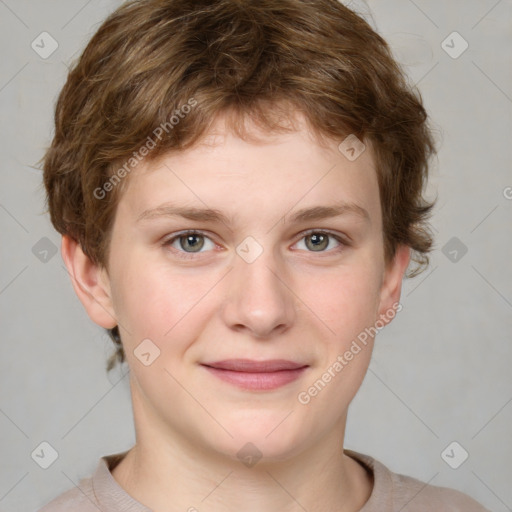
(258, 299)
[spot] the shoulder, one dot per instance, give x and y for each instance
(78, 499)
(395, 492)
(413, 494)
(98, 492)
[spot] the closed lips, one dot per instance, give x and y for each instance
(250, 366)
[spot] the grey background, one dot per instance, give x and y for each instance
(440, 371)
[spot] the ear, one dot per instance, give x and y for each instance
(90, 282)
(391, 286)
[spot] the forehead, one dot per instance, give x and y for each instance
(267, 172)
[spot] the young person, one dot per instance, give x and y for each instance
(238, 186)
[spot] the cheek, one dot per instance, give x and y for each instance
(156, 302)
(345, 300)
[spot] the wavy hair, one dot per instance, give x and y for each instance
(256, 60)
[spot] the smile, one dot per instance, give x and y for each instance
(256, 375)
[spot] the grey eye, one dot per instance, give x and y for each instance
(317, 241)
(320, 241)
(191, 243)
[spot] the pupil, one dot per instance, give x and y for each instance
(192, 243)
(318, 241)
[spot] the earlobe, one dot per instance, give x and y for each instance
(391, 287)
(90, 282)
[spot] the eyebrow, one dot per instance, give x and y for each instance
(212, 215)
(325, 212)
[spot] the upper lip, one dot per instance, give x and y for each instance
(251, 366)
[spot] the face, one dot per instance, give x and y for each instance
(240, 275)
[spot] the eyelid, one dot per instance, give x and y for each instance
(342, 238)
(184, 232)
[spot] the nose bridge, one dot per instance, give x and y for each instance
(259, 300)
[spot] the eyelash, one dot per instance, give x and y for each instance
(192, 255)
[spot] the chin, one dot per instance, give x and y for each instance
(265, 437)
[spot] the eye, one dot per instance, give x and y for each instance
(189, 242)
(319, 241)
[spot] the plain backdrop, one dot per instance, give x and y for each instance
(441, 372)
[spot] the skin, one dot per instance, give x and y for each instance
(295, 301)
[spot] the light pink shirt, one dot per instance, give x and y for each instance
(391, 492)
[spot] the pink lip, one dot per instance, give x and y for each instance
(256, 375)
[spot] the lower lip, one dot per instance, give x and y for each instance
(257, 381)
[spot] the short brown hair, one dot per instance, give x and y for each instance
(151, 58)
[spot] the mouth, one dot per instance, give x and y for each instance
(256, 375)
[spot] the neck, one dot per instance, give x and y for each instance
(170, 468)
